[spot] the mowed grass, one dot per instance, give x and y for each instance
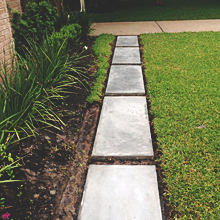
(144, 10)
(183, 80)
(102, 50)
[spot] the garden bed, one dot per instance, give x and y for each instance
(54, 158)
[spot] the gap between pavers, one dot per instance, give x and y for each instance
(125, 80)
(121, 192)
(123, 130)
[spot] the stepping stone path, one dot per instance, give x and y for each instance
(122, 192)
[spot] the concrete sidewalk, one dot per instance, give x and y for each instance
(137, 28)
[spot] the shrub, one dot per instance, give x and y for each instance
(65, 18)
(35, 22)
(84, 19)
(69, 32)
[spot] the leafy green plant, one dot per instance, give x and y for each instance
(2, 203)
(69, 32)
(35, 22)
(84, 19)
(19, 188)
(102, 49)
(9, 167)
(66, 17)
(27, 93)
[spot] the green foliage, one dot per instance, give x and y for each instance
(4, 155)
(35, 22)
(65, 18)
(69, 32)
(84, 19)
(182, 72)
(7, 164)
(2, 202)
(16, 17)
(27, 93)
(102, 49)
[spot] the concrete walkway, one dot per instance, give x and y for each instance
(122, 192)
(137, 28)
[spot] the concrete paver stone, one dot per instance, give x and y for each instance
(127, 41)
(121, 192)
(123, 130)
(125, 80)
(126, 55)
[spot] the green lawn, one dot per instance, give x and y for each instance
(143, 10)
(183, 76)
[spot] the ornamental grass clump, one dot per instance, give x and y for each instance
(29, 88)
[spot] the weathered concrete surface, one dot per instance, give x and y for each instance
(123, 130)
(190, 25)
(121, 192)
(126, 55)
(137, 28)
(125, 80)
(126, 28)
(127, 41)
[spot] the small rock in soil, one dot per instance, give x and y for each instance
(36, 196)
(47, 137)
(45, 197)
(41, 187)
(52, 192)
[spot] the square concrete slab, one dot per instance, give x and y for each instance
(125, 28)
(123, 130)
(121, 192)
(127, 41)
(126, 55)
(125, 80)
(190, 25)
